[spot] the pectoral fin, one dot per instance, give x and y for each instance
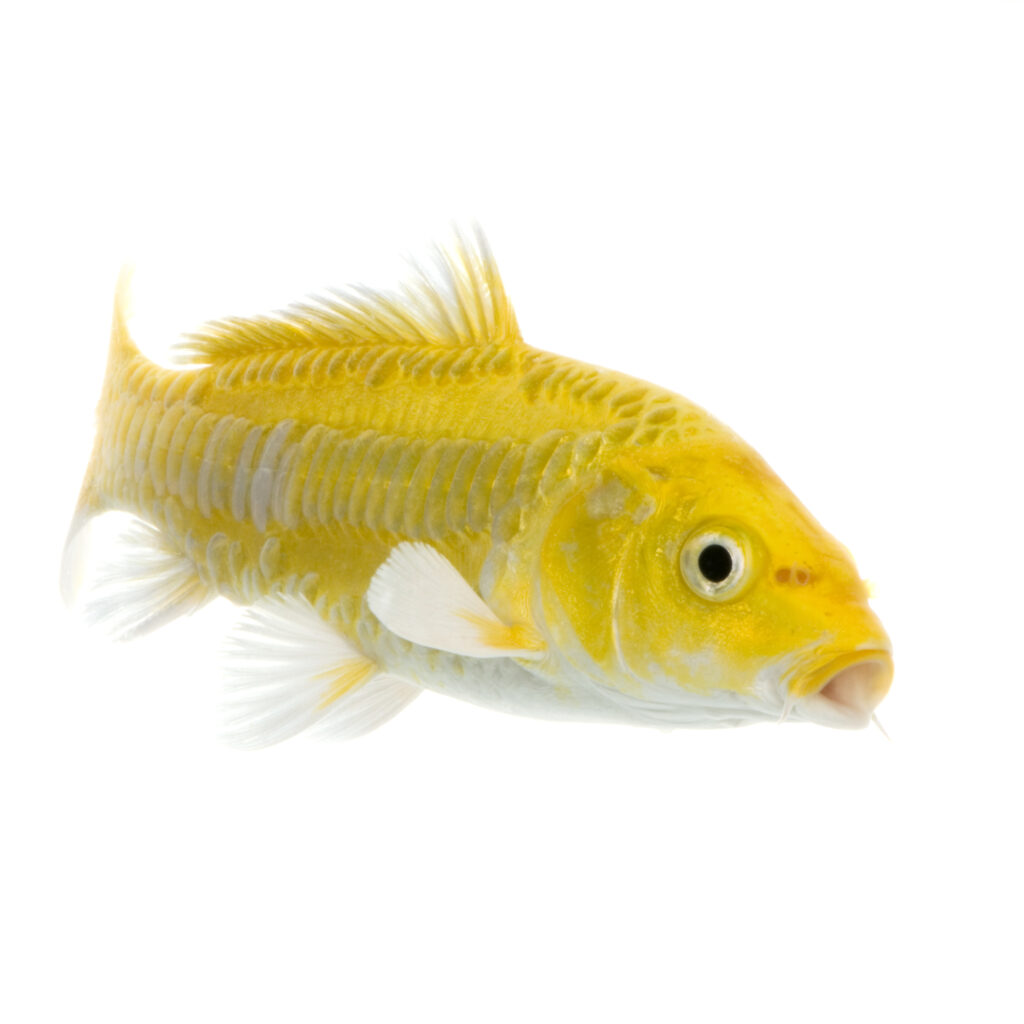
(289, 670)
(420, 596)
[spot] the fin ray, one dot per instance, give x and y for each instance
(457, 300)
(420, 596)
(289, 670)
(141, 585)
(375, 702)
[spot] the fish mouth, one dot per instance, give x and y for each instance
(845, 691)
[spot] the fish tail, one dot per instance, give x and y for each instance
(91, 501)
(121, 344)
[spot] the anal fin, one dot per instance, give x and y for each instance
(289, 670)
(139, 585)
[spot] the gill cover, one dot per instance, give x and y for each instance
(589, 572)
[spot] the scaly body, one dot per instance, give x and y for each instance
(314, 444)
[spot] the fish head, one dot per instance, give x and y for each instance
(696, 577)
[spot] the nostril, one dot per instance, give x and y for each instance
(799, 575)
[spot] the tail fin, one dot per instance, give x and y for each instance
(90, 500)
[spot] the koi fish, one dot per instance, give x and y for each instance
(407, 496)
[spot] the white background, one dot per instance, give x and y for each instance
(809, 218)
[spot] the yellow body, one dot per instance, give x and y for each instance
(309, 445)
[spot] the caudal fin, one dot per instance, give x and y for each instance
(90, 500)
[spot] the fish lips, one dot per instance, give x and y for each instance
(844, 692)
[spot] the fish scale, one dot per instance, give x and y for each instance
(425, 381)
(405, 485)
(222, 466)
(410, 496)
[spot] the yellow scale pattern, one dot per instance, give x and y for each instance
(169, 457)
(307, 445)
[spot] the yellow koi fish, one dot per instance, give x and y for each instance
(408, 496)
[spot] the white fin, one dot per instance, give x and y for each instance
(419, 595)
(288, 670)
(141, 586)
(454, 300)
(374, 703)
(75, 557)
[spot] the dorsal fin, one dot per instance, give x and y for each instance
(454, 300)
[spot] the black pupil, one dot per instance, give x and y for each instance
(715, 563)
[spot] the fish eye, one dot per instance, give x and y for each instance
(713, 564)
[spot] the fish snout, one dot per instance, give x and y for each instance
(845, 691)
